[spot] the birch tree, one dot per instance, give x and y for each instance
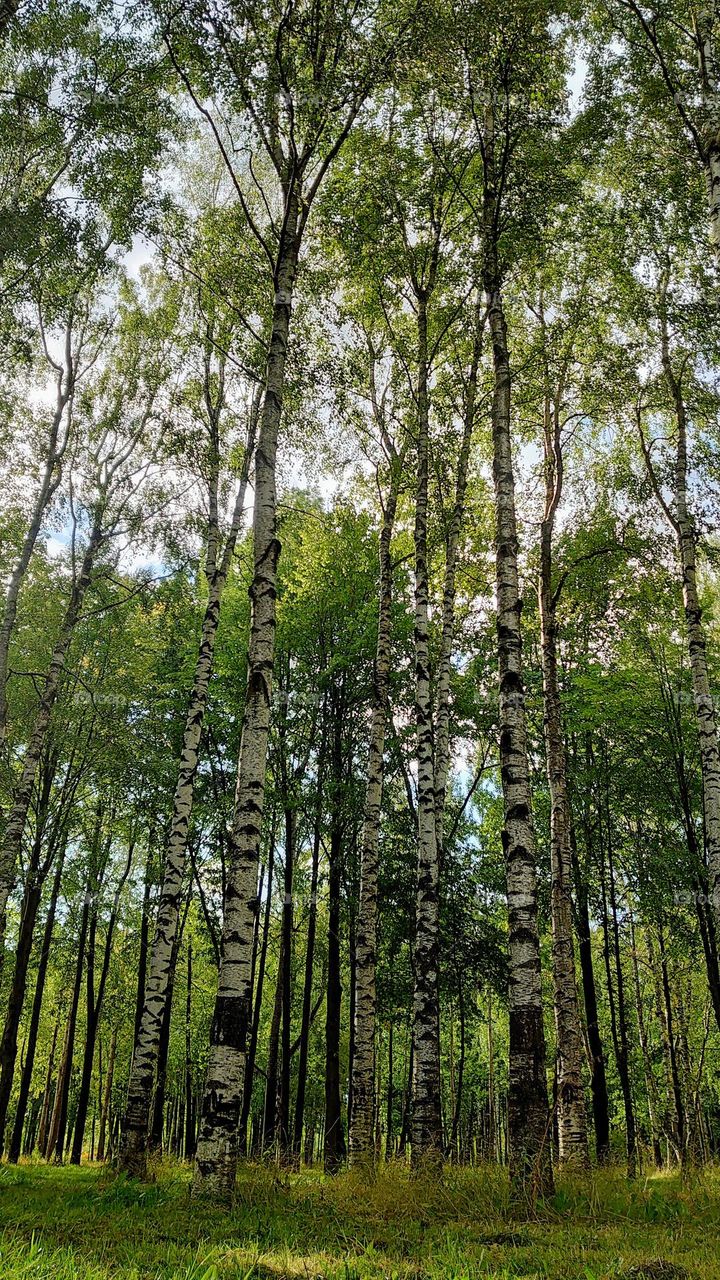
(505, 70)
(556, 375)
(362, 1138)
(110, 469)
(676, 371)
(298, 81)
(218, 564)
(675, 65)
(83, 338)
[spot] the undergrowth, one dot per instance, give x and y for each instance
(87, 1224)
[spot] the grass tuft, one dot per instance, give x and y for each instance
(88, 1224)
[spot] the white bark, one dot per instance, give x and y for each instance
(136, 1120)
(216, 1157)
(452, 543)
(571, 1115)
(713, 185)
(426, 1130)
(528, 1113)
(362, 1138)
(15, 826)
(709, 70)
(64, 387)
(682, 522)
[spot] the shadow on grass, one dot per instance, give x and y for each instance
(87, 1224)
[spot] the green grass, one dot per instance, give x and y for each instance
(85, 1224)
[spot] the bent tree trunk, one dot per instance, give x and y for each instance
(216, 1156)
(136, 1120)
(15, 827)
(528, 1111)
(427, 1141)
(571, 1117)
(65, 384)
(362, 1147)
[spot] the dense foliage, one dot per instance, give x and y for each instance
(352, 353)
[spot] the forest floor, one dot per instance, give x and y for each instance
(85, 1224)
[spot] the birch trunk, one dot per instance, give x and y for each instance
(309, 957)
(361, 1131)
(58, 1127)
(284, 1143)
(650, 1085)
(713, 185)
(189, 1096)
(529, 1134)
(269, 1128)
(15, 826)
(618, 1018)
(678, 1136)
(136, 1120)
(452, 544)
(42, 1135)
(156, 1129)
(16, 994)
(334, 1150)
(94, 1005)
(107, 1097)
(427, 1142)
(27, 1071)
(710, 96)
(65, 384)
(682, 523)
(216, 1157)
(571, 1116)
(257, 1005)
(598, 1079)
(36, 874)
(697, 646)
